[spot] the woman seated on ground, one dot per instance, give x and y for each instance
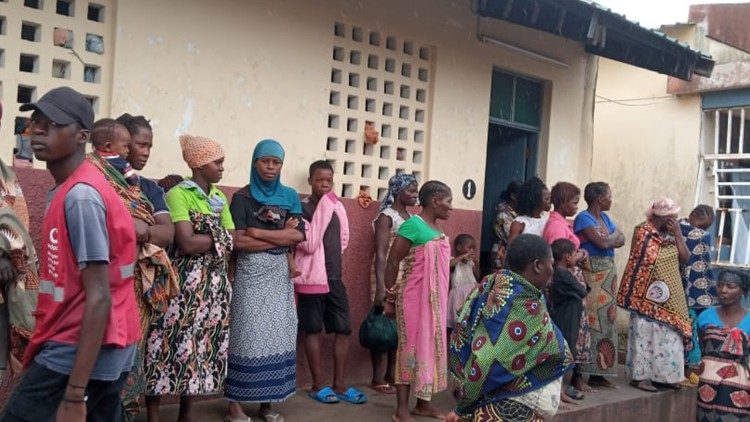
(725, 342)
(507, 358)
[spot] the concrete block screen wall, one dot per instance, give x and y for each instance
(43, 45)
(383, 82)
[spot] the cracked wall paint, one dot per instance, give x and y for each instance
(265, 72)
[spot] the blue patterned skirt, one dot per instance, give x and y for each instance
(262, 363)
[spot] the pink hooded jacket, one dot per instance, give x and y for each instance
(310, 255)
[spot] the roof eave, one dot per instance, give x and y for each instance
(604, 33)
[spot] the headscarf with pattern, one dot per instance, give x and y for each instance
(396, 185)
(663, 207)
(198, 151)
(736, 277)
(505, 344)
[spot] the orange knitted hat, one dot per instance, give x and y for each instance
(198, 151)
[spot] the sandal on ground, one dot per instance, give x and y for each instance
(325, 395)
(229, 419)
(353, 396)
(573, 393)
(645, 387)
(692, 381)
(677, 386)
(384, 388)
(272, 416)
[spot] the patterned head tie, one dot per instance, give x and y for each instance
(396, 185)
(735, 277)
(198, 151)
(663, 207)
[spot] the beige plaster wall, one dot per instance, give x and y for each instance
(243, 71)
(13, 12)
(645, 149)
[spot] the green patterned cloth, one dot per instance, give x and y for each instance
(505, 344)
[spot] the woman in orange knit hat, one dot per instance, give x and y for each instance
(186, 353)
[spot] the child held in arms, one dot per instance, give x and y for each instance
(111, 141)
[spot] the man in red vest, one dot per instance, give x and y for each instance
(87, 322)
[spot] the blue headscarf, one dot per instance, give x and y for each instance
(396, 185)
(272, 193)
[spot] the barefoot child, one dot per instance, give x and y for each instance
(420, 305)
(566, 301)
(321, 294)
(464, 276)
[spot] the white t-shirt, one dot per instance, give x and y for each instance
(533, 225)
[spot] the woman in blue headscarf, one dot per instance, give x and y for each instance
(263, 320)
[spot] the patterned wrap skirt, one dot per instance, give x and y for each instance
(263, 339)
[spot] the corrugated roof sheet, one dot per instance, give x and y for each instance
(603, 32)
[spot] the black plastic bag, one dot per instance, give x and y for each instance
(378, 332)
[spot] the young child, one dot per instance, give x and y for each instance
(321, 294)
(464, 275)
(111, 141)
(566, 301)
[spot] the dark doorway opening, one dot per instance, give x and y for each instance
(511, 155)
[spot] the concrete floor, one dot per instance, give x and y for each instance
(622, 404)
(301, 408)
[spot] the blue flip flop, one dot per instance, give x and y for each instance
(353, 396)
(325, 395)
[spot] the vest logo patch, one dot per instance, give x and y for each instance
(53, 257)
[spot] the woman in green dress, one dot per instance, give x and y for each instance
(187, 348)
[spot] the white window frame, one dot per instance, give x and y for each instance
(715, 165)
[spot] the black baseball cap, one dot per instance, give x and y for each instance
(64, 106)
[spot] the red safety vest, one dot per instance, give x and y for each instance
(61, 295)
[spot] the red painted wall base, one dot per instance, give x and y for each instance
(357, 264)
